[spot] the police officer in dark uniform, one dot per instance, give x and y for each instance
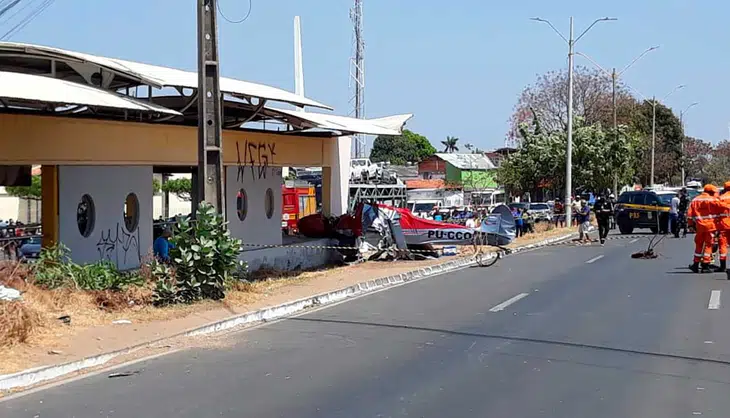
(604, 210)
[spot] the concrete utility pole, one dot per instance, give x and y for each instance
(681, 123)
(653, 129)
(210, 100)
(614, 79)
(569, 150)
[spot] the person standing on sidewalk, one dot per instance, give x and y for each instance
(604, 210)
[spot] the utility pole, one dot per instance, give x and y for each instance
(653, 129)
(569, 149)
(210, 144)
(681, 123)
(357, 76)
(614, 78)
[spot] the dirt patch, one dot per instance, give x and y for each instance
(90, 329)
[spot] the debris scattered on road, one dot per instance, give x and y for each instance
(55, 352)
(125, 374)
(648, 254)
(122, 321)
(66, 319)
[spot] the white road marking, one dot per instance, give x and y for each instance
(633, 241)
(714, 300)
(508, 302)
(594, 259)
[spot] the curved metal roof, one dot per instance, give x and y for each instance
(28, 89)
(134, 73)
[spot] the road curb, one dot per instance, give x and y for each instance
(41, 374)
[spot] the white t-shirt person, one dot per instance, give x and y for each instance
(674, 208)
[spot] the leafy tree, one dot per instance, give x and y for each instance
(180, 187)
(717, 170)
(156, 187)
(450, 144)
(32, 192)
(668, 147)
(697, 156)
(400, 149)
(540, 158)
(547, 100)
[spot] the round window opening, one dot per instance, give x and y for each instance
(269, 203)
(131, 212)
(241, 204)
(86, 215)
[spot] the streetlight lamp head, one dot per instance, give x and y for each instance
(609, 18)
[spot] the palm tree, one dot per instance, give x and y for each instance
(450, 144)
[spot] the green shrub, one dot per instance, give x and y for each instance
(54, 269)
(203, 260)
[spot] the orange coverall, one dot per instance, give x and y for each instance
(723, 223)
(704, 211)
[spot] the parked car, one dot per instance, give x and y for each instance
(29, 248)
(540, 211)
(363, 168)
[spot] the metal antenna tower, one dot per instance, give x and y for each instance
(357, 77)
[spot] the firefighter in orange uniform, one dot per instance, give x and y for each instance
(704, 212)
(723, 223)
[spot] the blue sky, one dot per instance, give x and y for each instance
(458, 65)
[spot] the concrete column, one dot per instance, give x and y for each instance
(336, 177)
(49, 204)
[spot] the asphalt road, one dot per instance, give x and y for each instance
(559, 332)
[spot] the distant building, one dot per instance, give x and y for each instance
(498, 155)
(471, 171)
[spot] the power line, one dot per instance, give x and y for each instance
(235, 22)
(8, 7)
(23, 23)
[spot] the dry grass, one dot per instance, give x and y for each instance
(17, 322)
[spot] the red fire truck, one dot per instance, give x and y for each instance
(298, 200)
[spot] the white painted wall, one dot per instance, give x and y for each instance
(340, 176)
(256, 228)
(108, 186)
(9, 206)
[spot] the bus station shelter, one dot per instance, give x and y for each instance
(100, 127)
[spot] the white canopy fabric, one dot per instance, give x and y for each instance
(35, 88)
(158, 76)
(391, 125)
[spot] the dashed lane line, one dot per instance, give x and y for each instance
(508, 302)
(714, 299)
(594, 259)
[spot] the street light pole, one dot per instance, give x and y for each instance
(569, 148)
(614, 79)
(681, 123)
(653, 129)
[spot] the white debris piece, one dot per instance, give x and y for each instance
(9, 294)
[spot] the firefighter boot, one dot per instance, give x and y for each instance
(705, 268)
(695, 267)
(722, 267)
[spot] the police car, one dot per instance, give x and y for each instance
(643, 209)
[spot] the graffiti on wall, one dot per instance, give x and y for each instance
(256, 157)
(119, 246)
